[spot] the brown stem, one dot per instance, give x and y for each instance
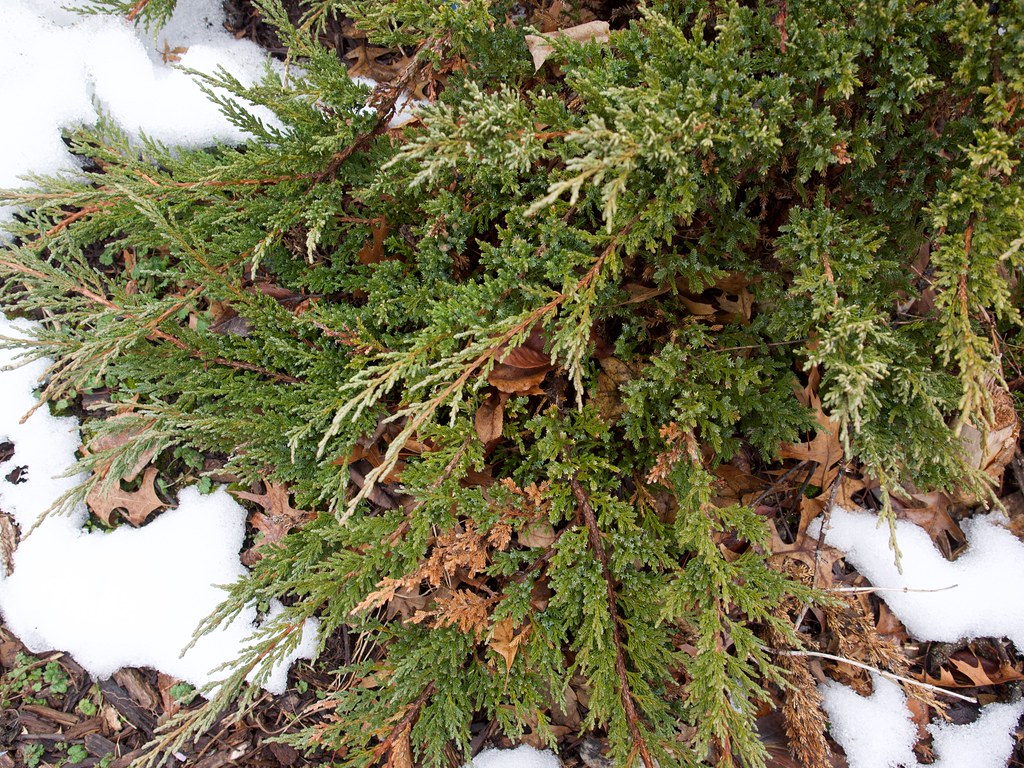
(137, 9)
(629, 707)
(225, 183)
(236, 364)
(73, 217)
(405, 723)
(158, 335)
(384, 98)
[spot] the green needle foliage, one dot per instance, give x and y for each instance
(504, 349)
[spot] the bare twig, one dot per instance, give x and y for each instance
(628, 706)
(774, 486)
(825, 517)
(869, 668)
(868, 590)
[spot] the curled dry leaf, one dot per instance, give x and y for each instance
(541, 46)
(520, 370)
(992, 451)
(490, 417)
(539, 534)
(113, 440)
(137, 505)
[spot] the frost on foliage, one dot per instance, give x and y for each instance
(986, 600)
(130, 597)
(877, 731)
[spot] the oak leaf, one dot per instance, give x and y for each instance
(112, 440)
(966, 670)
(824, 449)
(278, 516)
(137, 505)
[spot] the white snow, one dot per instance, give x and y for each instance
(985, 743)
(986, 601)
(56, 67)
(523, 756)
(876, 731)
(124, 598)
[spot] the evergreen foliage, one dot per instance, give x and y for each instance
(497, 309)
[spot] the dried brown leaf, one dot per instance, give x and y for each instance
(541, 45)
(505, 641)
(114, 440)
(373, 250)
(490, 417)
(824, 448)
(539, 534)
(967, 670)
(137, 505)
(278, 516)
(992, 450)
(517, 381)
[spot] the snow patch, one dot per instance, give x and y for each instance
(77, 62)
(876, 731)
(986, 601)
(523, 756)
(129, 597)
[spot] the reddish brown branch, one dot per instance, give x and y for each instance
(137, 9)
(628, 705)
(384, 99)
(156, 334)
(405, 723)
(73, 217)
(236, 364)
(223, 183)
